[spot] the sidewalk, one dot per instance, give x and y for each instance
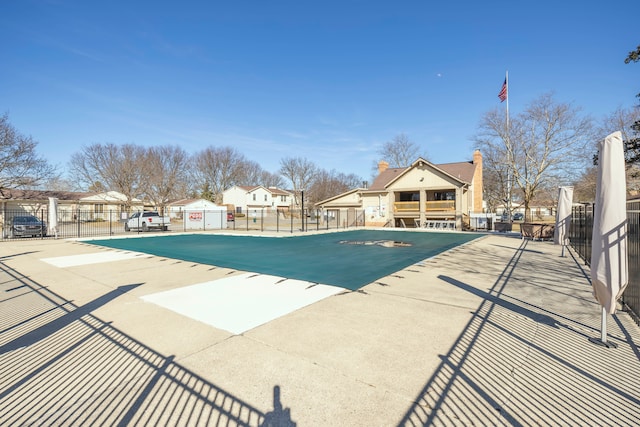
(491, 333)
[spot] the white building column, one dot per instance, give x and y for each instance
(423, 206)
(459, 208)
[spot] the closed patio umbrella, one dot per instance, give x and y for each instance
(563, 217)
(609, 268)
(53, 216)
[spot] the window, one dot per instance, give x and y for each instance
(444, 195)
(283, 198)
(265, 197)
(98, 208)
(254, 197)
(409, 197)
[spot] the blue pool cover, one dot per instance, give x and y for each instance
(349, 259)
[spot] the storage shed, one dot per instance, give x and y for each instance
(197, 214)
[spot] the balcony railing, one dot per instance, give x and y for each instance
(431, 206)
(441, 205)
(406, 207)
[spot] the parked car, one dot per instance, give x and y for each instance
(28, 226)
(146, 221)
(518, 216)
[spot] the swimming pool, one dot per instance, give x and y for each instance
(349, 259)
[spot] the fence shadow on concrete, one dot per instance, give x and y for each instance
(61, 365)
(518, 364)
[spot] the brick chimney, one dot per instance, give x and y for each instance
(477, 182)
(382, 166)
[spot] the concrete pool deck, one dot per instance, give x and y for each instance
(494, 332)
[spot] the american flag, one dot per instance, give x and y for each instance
(503, 92)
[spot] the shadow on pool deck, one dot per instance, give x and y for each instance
(66, 366)
(502, 369)
(521, 357)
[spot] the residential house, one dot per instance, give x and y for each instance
(85, 206)
(248, 198)
(415, 195)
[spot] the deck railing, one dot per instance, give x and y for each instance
(430, 206)
(406, 207)
(580, 233)
(441, 205)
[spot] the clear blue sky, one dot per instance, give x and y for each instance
(327, 80)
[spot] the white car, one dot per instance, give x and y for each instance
(146, 221)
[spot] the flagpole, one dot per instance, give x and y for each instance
(506, 79)
(504, 96)
(509, 161)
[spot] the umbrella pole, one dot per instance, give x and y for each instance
(603, 333)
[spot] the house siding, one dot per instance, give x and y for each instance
(408, 193)
(265, 199)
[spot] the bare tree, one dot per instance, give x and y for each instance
(541, 147)
(164, 174)
(400, 151)
(495, 181)
(331, 183)
(622, 120)
(584, 188)
(219, 168)
(300, 172)
(20, 165)
(251, 173)
(627, 121)
(110, 166)
(268, 179)
(59, 184)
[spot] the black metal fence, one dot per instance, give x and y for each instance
(70, 223)
(580, 235)
(297, 220)
(86, 223)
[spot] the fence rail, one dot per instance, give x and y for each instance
(580, 236)
(86, 223)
